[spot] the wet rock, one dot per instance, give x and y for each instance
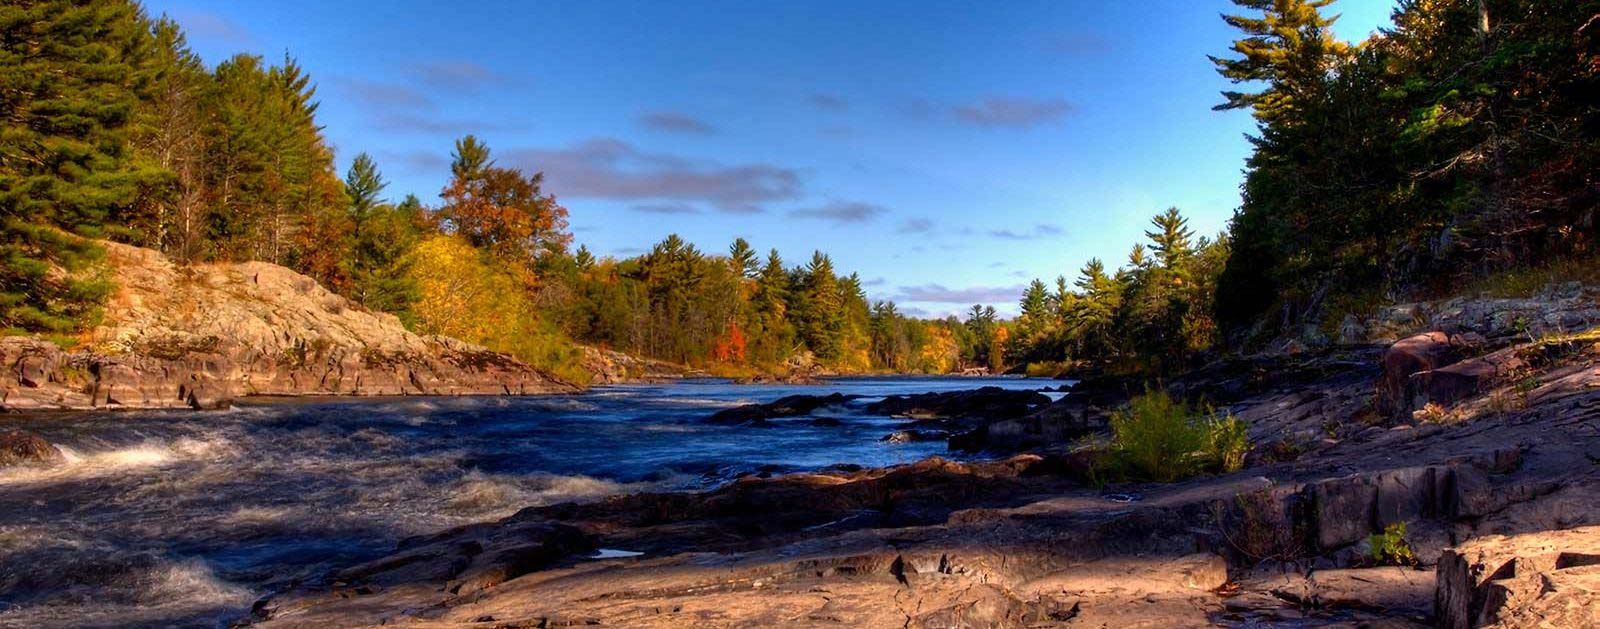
(18, 448)
(912, 436)
(787, 406)
(987, 402)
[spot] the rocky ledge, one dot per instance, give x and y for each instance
(199, 336)
(1489, 489)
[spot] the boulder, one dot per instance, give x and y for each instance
(1408, 356)
(18, 448)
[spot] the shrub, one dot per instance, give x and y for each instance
(1227, 442)
(1161, 439)
(1389, 548)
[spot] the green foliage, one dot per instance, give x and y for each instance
(71, 74)
(1227, 442)
(1150, 316)
(1457, 144)
(1389, 548)
(1161, 439)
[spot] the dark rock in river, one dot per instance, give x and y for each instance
(987, 402)
(25, 448)
(912, 436)
(788, 406)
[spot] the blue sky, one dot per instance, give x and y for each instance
(947, 151)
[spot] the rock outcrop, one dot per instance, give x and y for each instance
(200, 336)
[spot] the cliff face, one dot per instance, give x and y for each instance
(199, 336)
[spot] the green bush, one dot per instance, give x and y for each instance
(1389, 548)
(1161, 439)
(1227, 442)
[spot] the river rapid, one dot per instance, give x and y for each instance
(185, 517)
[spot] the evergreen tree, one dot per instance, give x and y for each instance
(69, 84)
(822, 315)
(362, 184)
(469, 158)
(744, 258)
(1290, 47)
(1170, 240)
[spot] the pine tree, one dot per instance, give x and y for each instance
(469, 158)
(170, 135)
(1290, 47)
(822, 318)
(69, 83)
(743, 258)
(1170, 240)
(362, 184)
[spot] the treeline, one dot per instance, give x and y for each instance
(1151, 314)
(121, 132)
(1459, 143)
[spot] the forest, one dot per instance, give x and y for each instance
(1456, 145)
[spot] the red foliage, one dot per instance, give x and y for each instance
(730, 347)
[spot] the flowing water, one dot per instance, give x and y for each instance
(186, 517)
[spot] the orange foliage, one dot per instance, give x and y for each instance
(730, 348)
(500, 210)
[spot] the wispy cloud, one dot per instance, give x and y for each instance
(841, 212)
(1013, 112)
(1042, 230)
(414, 161)
(381, 94)
(938, 293)
(410, 122)
(213, 25)
(606, 168)
(665, 208)
(829, 101)
(915, 226)
(674, 122)
(459, 75)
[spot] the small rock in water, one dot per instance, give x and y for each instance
(25, 448)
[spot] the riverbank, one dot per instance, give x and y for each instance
(200, 336)
(1475, 453)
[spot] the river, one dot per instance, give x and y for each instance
(186, 517)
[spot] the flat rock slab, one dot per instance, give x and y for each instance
(1387, 589)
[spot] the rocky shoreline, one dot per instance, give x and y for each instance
(1490, 473)
(200, 336)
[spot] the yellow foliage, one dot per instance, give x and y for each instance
(462, 296)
